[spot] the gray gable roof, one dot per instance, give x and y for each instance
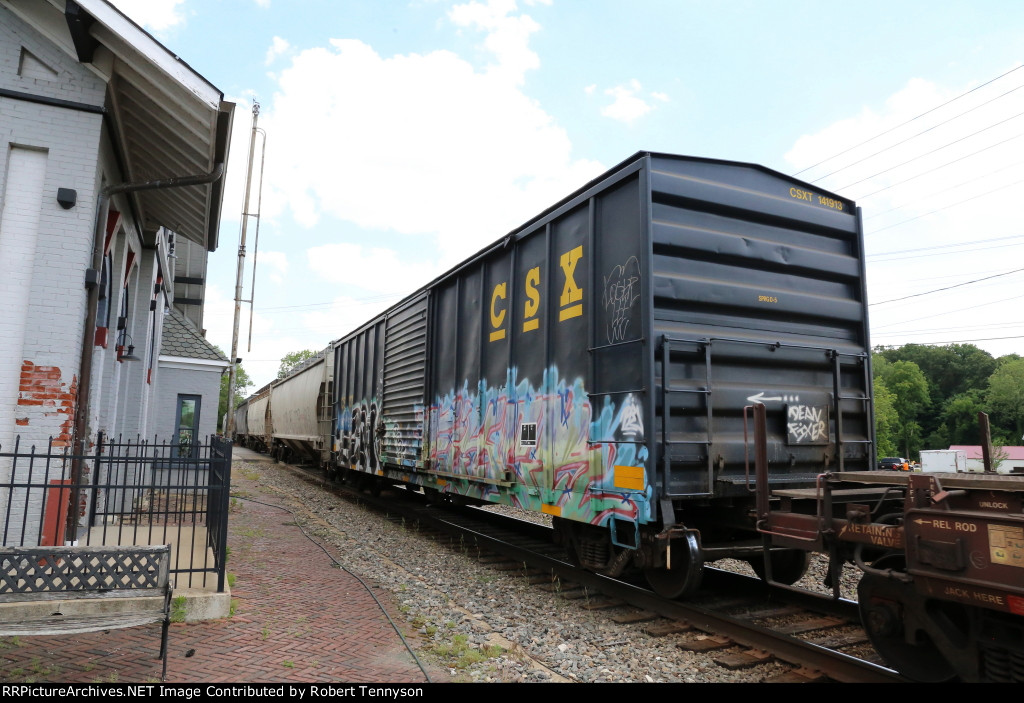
(184, 340)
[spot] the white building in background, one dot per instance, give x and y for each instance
(1011, 459)
(111, 181)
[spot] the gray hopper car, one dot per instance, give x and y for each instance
(302, 411)
(597, 364)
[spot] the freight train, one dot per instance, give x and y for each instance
(601, 363)
(594, 365)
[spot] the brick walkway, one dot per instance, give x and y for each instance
(298, 618)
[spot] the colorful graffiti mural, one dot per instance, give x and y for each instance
(540, 448)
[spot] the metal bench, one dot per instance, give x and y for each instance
(38, 583)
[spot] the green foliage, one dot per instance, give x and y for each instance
(178, 610)
(242, 382)
(291, 360)
(910, 398)
(960, 418)
(959, 381)
(887, 421)
(950, 369)
(1006, 395)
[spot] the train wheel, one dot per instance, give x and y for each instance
(884, 604)
(685, 575)
(788, 566)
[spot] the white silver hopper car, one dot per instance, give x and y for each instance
(302, 414)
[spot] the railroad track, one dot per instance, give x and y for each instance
(739, 618)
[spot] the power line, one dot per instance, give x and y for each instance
(937, 149)
(947, 312)
(946, 246)
(946, 207)
(915, 136)
(971, 341)
(958, 285)
(925, 256)
(937, 193)
(936, 168)
(912, 119)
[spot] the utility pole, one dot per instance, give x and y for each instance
(232, 375)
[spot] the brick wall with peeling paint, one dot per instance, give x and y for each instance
(44, 394)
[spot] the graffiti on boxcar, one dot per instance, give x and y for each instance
(807, 424)
(563, 462)
(632, 424)
(621, 291)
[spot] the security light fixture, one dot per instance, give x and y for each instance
(67, 197)
(126, 349)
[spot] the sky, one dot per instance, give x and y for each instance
(397, 138)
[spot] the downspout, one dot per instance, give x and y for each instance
(88, 342)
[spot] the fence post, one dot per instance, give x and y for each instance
(222, 449)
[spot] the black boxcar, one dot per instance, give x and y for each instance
(596, 362)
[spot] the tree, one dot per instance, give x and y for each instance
(960, 418)
(910, 388)
(951, 370)
(1006, 396)
(242, 382)
(291, 360)
(887, 420)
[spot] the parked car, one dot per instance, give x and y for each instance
(893, 463)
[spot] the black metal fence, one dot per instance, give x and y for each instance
(123, 493)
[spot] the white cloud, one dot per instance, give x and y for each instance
(278, 47)
(273, 264)
(378, 270)
(156, 15)
(420, 144)
(627, 106)
(507, 36)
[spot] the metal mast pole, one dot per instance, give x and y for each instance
(230, 424)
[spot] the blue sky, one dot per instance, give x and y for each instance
(402, 137)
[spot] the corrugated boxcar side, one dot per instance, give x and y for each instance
(758, 296)
(538, 363)
(405, 374)
(358, 360)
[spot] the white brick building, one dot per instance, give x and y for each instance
(114, 152)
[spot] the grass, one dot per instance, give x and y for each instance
(460, 654)
(250, 474)
(231, 580)
(288, 664)
(178, 610)
(233, 608)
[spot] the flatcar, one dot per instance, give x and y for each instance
(594, 365)
(942, 556)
